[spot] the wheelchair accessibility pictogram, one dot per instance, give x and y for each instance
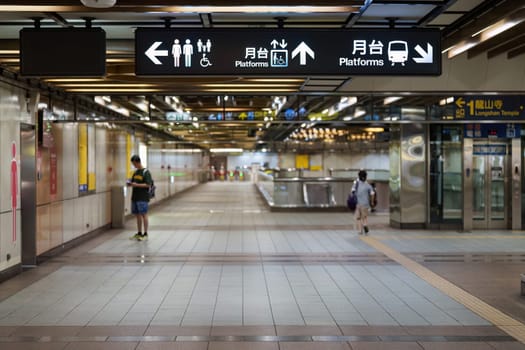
(279, 58)
(205, 62)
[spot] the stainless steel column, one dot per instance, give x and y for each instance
(395, 176)
(467, 184)
(28, 193)
(515, 196)
(412, 180)
(413, 175)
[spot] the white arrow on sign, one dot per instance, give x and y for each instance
(426, 56)
(153, 53)
(302, 50)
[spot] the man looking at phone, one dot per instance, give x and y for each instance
(140, 182)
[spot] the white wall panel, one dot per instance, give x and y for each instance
(43, 239)
(78, 214)
(117, 141)
(70, 161)
(69, 220)
(101, 160)
(9, 133)
(12, 111)
(7, 246)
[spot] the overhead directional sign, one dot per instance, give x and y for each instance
(170, 51)
(63, 52)
(489, 107)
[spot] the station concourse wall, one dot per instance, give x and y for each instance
(64, 212)
(14, 110)
(70, 213)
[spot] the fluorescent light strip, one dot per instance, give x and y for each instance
(248, 85)
(277, 80)
(186, 150)
(460, 48)
(107, 85)
(487, 33)
(498, 29)
(120, 60)
(189, 9)
(226, 150)
(391, 99)
(115, 90)
(250, 90)
(32, 8)
(259, 9)
(73, 80)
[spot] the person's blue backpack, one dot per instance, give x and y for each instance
(351, 201)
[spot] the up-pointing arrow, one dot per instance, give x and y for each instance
(426, 56)
(153, 53)
(302, 50)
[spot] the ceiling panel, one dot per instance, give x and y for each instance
(464, 5)
(445, 19)
(400, 11)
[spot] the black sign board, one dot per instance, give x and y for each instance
(63, 52)
(287, 52)
(490, 107)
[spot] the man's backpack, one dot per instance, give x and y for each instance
(152, 187)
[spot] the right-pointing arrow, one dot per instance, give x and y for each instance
(152, 52)
(426, 56)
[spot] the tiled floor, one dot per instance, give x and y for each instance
(220, 271)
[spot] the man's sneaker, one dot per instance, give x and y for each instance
(366, 230)
(143, 237)
(136, 236)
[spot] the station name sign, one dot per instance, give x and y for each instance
(173, 51)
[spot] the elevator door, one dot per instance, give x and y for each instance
(489, 185)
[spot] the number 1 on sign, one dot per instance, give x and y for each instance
(471, 105)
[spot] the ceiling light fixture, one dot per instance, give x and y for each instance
(99, 3)
(226, 150)
(259, 9)
(391, 99)
(488, 32)
(460, 48)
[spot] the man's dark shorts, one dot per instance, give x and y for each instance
(139, 207)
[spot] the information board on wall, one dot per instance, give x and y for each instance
(493, 131)
(170, 51)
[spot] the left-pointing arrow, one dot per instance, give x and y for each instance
(153, 53)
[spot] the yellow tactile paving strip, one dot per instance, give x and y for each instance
(467, 237)
(506, 323)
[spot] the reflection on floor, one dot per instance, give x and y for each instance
(220, 271)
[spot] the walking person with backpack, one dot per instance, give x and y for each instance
(364, 193)
(141, 182)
